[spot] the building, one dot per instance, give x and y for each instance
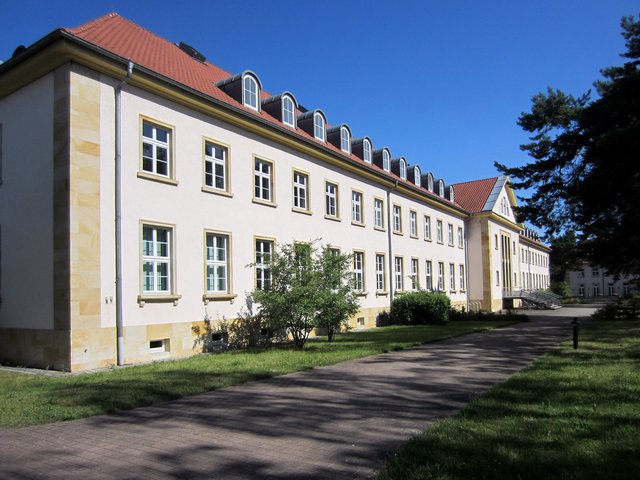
(596, 283)
(138, 180)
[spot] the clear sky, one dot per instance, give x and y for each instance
(439, 82)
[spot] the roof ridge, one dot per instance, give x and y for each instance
(92, 23)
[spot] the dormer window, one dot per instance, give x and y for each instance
(250, 92)
(318, 126)
(441, 188)
(345, 140)
(452, 196)
(403, 169)
(288, 112)
(430, 182)
(386, 160)
(366, 150)
(417, 175)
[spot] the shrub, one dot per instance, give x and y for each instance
(420, 308)
(561, 288)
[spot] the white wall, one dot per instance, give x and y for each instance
(26, 206)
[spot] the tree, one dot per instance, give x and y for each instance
(585, 174)
(309, 289)
(565, 255)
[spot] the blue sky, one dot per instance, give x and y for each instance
(439, 82)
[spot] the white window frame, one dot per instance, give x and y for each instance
(319, 127)
(263, 253)
(331, 199)
(415, 272)
(461, 238)
(413, 223)
(288, 111)
(356, 207)
(441, 276)
(378, 213)
(262, 180)
(417, 176)
(345, 140)
(381, 281)
(397, 219)
(428, 274)
(156, 145)
(152, 255)
(216, 166)
(450, 234)
(386, 160)
(366, 150)
(216, 265)
(358, 270)
(430, 182)
(463, 278)
(300, 190)
(452, 277)
(250, 92)
(427, 227)
(399, 273)
(403, 169)
(439, 232)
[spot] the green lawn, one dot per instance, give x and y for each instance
(29, 399)
(571, 415)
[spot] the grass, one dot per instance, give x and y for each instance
(30, 400)
(571, 415)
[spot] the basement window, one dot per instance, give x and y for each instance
(158, 346)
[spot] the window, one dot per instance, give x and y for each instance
(596, 290)
(515, 279)
(428, 276)
(498, 278)
(300, 191)
(156, 259)
(366, 150)
(430, 182)
(331, 199)
(250, 92)
(439, 231)
(264, 250)
(415, 285)
(580, 273)
(399, 263)
(358, 271)
(452, 277)
(463, 278)
(441, 276)
(495, 241)
(417, 176)
(581, 290)
(413, 224)
(427, 228)
(156, 149)
(461, 238)
(263, 176)
(318, 126)
(441, 188)
(595, 272)
(610, 289)
(381, 283)
(356, 207)
(378, 213)
(288, 112)
(397, 219)
(450, 234)
(626, 289)
(403, 169)
(215, 166)
(345, 140)
(386, 160)
(217, 263)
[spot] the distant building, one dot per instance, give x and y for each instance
(138, 181)
(595, 282)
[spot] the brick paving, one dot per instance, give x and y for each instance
(336, 422)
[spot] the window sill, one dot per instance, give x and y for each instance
(332, 218)
(158, 178)
(413, 236)
(380, 229)
(428, 240)
(218, 297)
(381, 293)
(357, 224)
(361, 294)
(158, 298)
(215, 191)
(399, 233)
(264, 202)
(302, 211)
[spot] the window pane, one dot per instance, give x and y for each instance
(162, 135)
(147, 277)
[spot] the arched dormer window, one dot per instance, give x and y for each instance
(441, 187)
(366, 150)
(417, 175)
(430, 182)
(403, 169)
(386, 160)
(319, 126)
(345, 139)
(288, 111)
(452, 195)
(250, 92)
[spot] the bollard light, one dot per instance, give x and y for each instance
(574, 324)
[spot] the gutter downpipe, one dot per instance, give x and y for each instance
(118, 214)
(389, 245)
(466, 262)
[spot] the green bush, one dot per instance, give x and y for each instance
(420, 308)
(561, 288)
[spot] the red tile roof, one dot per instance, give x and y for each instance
(133, 42)
(472, 196)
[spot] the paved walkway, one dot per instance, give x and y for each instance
(334, 422)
